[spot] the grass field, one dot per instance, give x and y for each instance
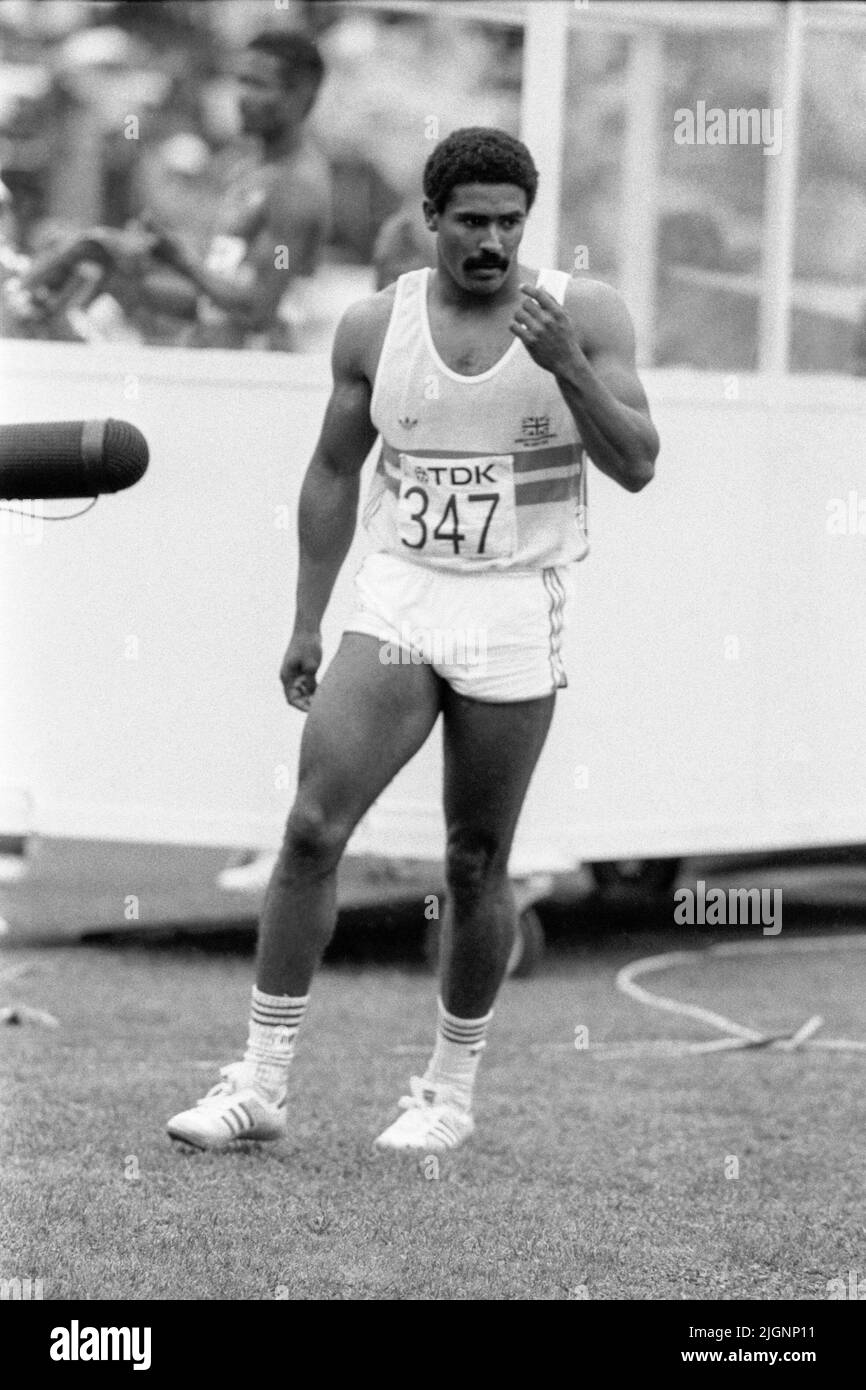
(587, 1177)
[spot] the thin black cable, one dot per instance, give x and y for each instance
(44, 516)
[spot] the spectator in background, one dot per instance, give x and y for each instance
(404, 243)
(47, 295)
(273, 217)
(250, 287)
(73, 288)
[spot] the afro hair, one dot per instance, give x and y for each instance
(478, 154)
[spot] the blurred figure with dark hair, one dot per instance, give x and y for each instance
(273, 218)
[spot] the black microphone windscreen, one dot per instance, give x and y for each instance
(70, 458)
(125, 455)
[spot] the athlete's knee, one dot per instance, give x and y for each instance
(313, 838)
(475, 863)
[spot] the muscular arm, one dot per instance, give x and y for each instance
(589, 348)
(329, 494)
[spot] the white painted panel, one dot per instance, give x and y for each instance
(717, 654)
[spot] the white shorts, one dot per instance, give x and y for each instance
(493, 636)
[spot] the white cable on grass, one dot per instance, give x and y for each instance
(724, 1045)
(802, 1034)
(625, 982)
(738, 1035)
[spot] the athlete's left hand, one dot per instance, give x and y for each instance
(546, 331)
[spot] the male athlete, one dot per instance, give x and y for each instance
(487, 381)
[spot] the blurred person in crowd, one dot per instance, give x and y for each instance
(251, 287)
(253, 283)
(37, 300)
(178, 182)
(404, 243)
(81, 286)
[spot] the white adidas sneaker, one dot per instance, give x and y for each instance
(433, 1121)
(232, 1109)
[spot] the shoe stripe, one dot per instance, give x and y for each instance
(240, 1118)
(446, 1130)
(230, 1121)
(239, 1105)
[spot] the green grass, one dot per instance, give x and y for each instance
(608, 1174)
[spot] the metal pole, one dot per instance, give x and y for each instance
(545, 54)
(780, 203)
(638, 215)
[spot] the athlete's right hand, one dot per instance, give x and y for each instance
(298, 672)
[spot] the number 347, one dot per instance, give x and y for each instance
(440, 532)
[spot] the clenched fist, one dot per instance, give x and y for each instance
(298, 672)
(546, 331)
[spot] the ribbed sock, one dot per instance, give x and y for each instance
(274, 1023)
(459, 1045)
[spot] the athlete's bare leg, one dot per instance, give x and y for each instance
(490, 754)
(366, 721)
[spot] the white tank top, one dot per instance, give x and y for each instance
(475, 472)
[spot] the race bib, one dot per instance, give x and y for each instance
(458, 508)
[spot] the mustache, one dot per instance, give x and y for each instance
(488, 263)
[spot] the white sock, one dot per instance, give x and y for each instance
(274, 1023)
(459, 1045)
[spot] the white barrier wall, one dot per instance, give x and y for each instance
(717, 654)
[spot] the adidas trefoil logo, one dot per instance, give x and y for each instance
(407, 422)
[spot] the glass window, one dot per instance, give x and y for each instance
(593, 142)
(712, 181)
(828, 320)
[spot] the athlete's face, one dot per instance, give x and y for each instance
(478, 233)
(271, 99)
